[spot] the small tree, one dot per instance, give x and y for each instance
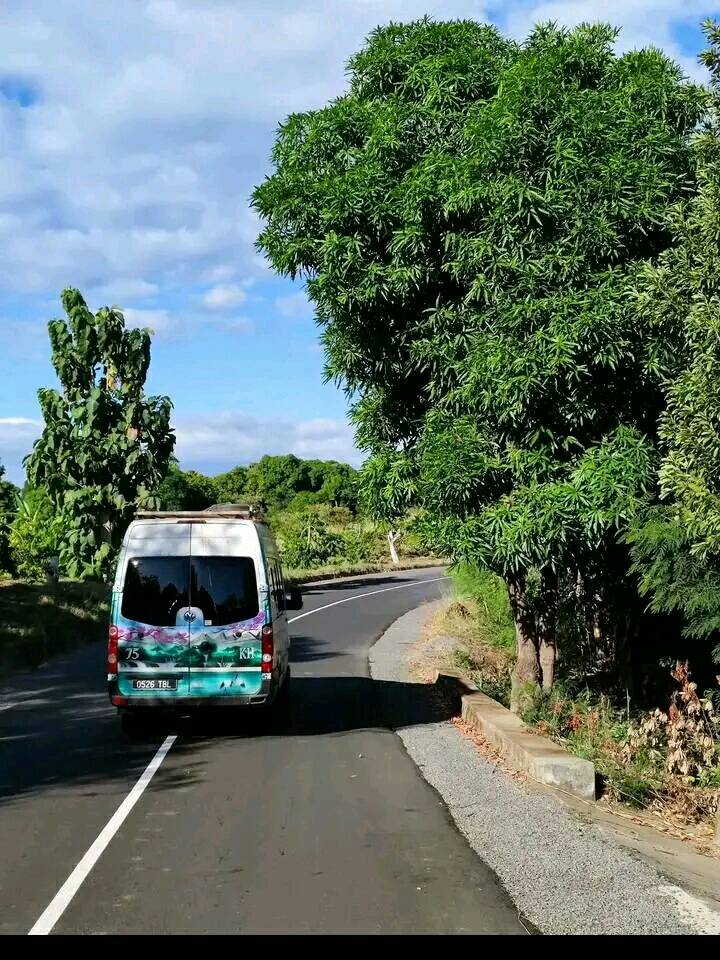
(8, 497)
(37, 533)
(308, 542)
(105, 444)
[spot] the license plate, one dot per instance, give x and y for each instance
(154, 684)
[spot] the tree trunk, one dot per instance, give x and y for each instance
(548, 662)
(393, 537)
(526, 675)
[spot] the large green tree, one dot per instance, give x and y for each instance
(105, 444)
(470, 218)
(677, 547)
(186, 490)
(230, 486)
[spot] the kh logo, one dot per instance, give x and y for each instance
(189, 616)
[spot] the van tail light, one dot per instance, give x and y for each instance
(268, 649)
(112, 650)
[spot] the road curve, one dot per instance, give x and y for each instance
(318, 822)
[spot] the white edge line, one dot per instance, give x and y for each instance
(67, 891)
(359, 596)
(62, 899)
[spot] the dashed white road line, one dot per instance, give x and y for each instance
(60, 902)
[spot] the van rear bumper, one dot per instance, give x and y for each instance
(181, 703)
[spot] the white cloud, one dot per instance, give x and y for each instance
(224, 296)
(17, 435)
(643, 22)
(121, 290)
(294, 305)
(217, 442)
(152, 121)
(159, 321)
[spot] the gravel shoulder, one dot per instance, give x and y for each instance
(565, 876)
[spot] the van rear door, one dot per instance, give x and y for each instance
(153, 633)
(225, 653)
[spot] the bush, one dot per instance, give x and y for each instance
(308, 542)
(669, 760)
(36, 534)
(357, 544)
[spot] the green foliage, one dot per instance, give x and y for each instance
(472, 219)
(188, 490)
(358, 545)
(37, 533)
(8, 498)
(105, 444)
(276, 480)
(308, 542)
(677, 548)
(230, 487)
(492, 613)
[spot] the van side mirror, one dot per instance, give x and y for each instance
(293, 598)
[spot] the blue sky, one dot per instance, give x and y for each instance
(132, 135)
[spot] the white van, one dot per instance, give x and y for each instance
(198, 613)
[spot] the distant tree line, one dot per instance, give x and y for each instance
(278, 482)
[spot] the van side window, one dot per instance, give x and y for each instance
(280, 586)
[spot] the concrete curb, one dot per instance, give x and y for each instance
(543, 759)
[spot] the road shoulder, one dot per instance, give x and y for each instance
(566, 873)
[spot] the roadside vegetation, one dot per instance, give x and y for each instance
(513, 249)
(42, 620)
(664, 759)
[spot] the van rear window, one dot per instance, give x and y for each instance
(224, 588)
(156, 588)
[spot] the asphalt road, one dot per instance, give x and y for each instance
(317, 822)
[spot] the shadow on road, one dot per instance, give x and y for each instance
(85, 750)
(322, 706)
(306, 649)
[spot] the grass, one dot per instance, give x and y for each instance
(41, 620)
(479, 617)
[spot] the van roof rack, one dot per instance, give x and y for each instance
(220, 511)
